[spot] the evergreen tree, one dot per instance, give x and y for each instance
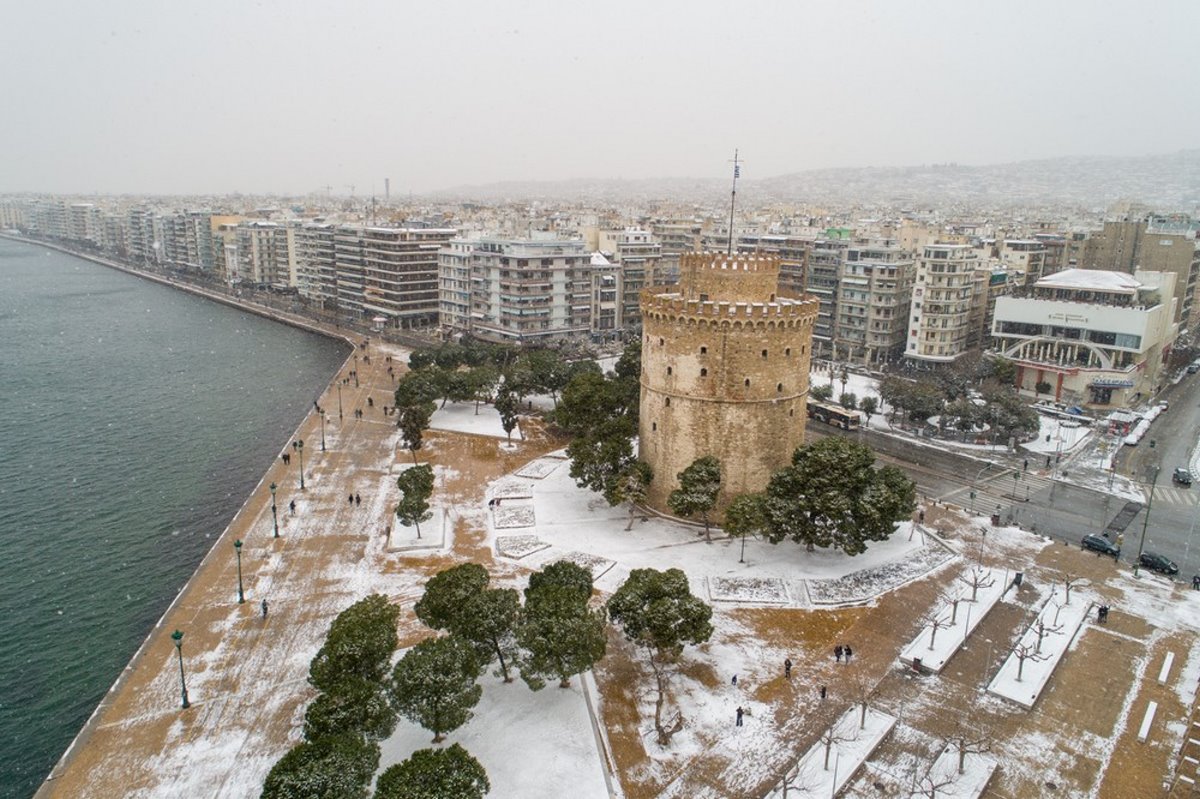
(848, 400)
(416, 486)
(869, 406)
(434, 685)
(631, 487)
(489, 621)
(562, 574)
(449, 773)
(331, 767)
(831, 496)
(560, 636)
(353, 705)
(448, 592)
(658, 612)
(360, 644)
(699, 485)
(413, 420)
(508, 405)
(746, 516)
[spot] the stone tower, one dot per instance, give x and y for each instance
(724, 372)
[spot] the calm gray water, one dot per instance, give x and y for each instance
(134, 421)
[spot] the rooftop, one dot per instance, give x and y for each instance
(1094, 279)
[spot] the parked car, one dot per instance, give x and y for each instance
(1182, 476)
(1098, 543)
(1192, 368)
(1158, 563)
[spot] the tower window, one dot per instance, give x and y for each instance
(764, 353)
(792, 412)
(779, 387)
(660, 342)
(788, 352)
(704, 350)
(654, 425)
(668, 370)
(747, 382)
(704, 373)
(668, 402)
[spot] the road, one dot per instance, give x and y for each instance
(1063, 510)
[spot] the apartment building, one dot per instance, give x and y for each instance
(792, 251)
(874, 292)
(821, 281)
(524, 290)
(1089, 337)
(388, 276)
(316, 265)
(1026, 257)
(638, 253)
(454, 285)
(939, 325)
(266, 254)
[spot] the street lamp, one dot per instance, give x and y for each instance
(322, 412)
(237, 547)
(274, 512)
(339, 388)
(177, 637)
(298, 445)
(1154, 469)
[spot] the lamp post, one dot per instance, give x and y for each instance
(975, 479)
(177, 637)
(322, 429)
(298, 446)
(339, 388)
(274, 512)
(237, 547)
(1154, 469)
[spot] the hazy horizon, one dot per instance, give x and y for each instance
(277, 98)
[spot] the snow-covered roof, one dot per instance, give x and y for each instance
(1096, 279)
(598, 259)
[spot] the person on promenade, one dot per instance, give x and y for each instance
(292, 507)
(848, 652)
(740, 711)
(787, 668)
(351, 498)
(357, 499)
(264, 608)
(837, 653)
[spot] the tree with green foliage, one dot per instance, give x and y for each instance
(560, 636)
(631, 486)
(449, 773)
(657, 612)
(413, 421)
(821, 393)
(746, 516)
(508, 405)
(848, 400)
(353, 705)
(418, 388)
(448, 592)
(360, 644)
(416, 486)
(562, 574)
(331, 767)
(489, 622)
(481, 384)
(699, 485)
(869, 406)
(434, 684)
(831, 496)
(548, 372)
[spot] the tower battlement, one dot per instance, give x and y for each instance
(733, 277)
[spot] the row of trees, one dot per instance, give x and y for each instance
(355, 709)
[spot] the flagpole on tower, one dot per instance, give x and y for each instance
(737, 171)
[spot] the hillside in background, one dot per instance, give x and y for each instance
(1165, 182)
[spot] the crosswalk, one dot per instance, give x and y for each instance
(1004, 491)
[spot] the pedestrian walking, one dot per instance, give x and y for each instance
(351, 498)
(1025, 465)
(740, 711)
(357, 499)
(787, 668)
(921, 516)
(1196, 582)
(1047, 461)
(370, 402)
(292, 507)
(264, 608)
(848, 652)
(735, 679)
(822, 691)
(837, 653)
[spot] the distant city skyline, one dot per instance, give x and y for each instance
(291, 98)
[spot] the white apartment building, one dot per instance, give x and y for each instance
(608, 305)
(454, 286)
(388, 276)
(1026, 256)
(939, 327)
(1089, 337)
(874, 292)
(522, 290)
(638, 253)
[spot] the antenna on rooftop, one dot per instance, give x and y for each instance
(737, 173)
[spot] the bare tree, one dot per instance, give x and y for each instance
(930, 786)
(1024, 652)
(861, 689)
(830, 737)
(1069, 581)
(1044, 629)
(968, 741)
(799, 780)
(936, 620)
(978, 577)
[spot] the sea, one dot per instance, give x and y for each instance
(135, 419)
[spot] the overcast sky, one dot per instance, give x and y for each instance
(197, 97)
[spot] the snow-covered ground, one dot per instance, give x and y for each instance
(569, 522)
(936, 646)
(1060, 622)
(461, 417)
(850, 741)
(944, 779)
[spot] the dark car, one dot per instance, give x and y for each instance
(1098, 543)
(1182, 476)
(1158, 563)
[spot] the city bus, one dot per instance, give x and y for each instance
(833, 414)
